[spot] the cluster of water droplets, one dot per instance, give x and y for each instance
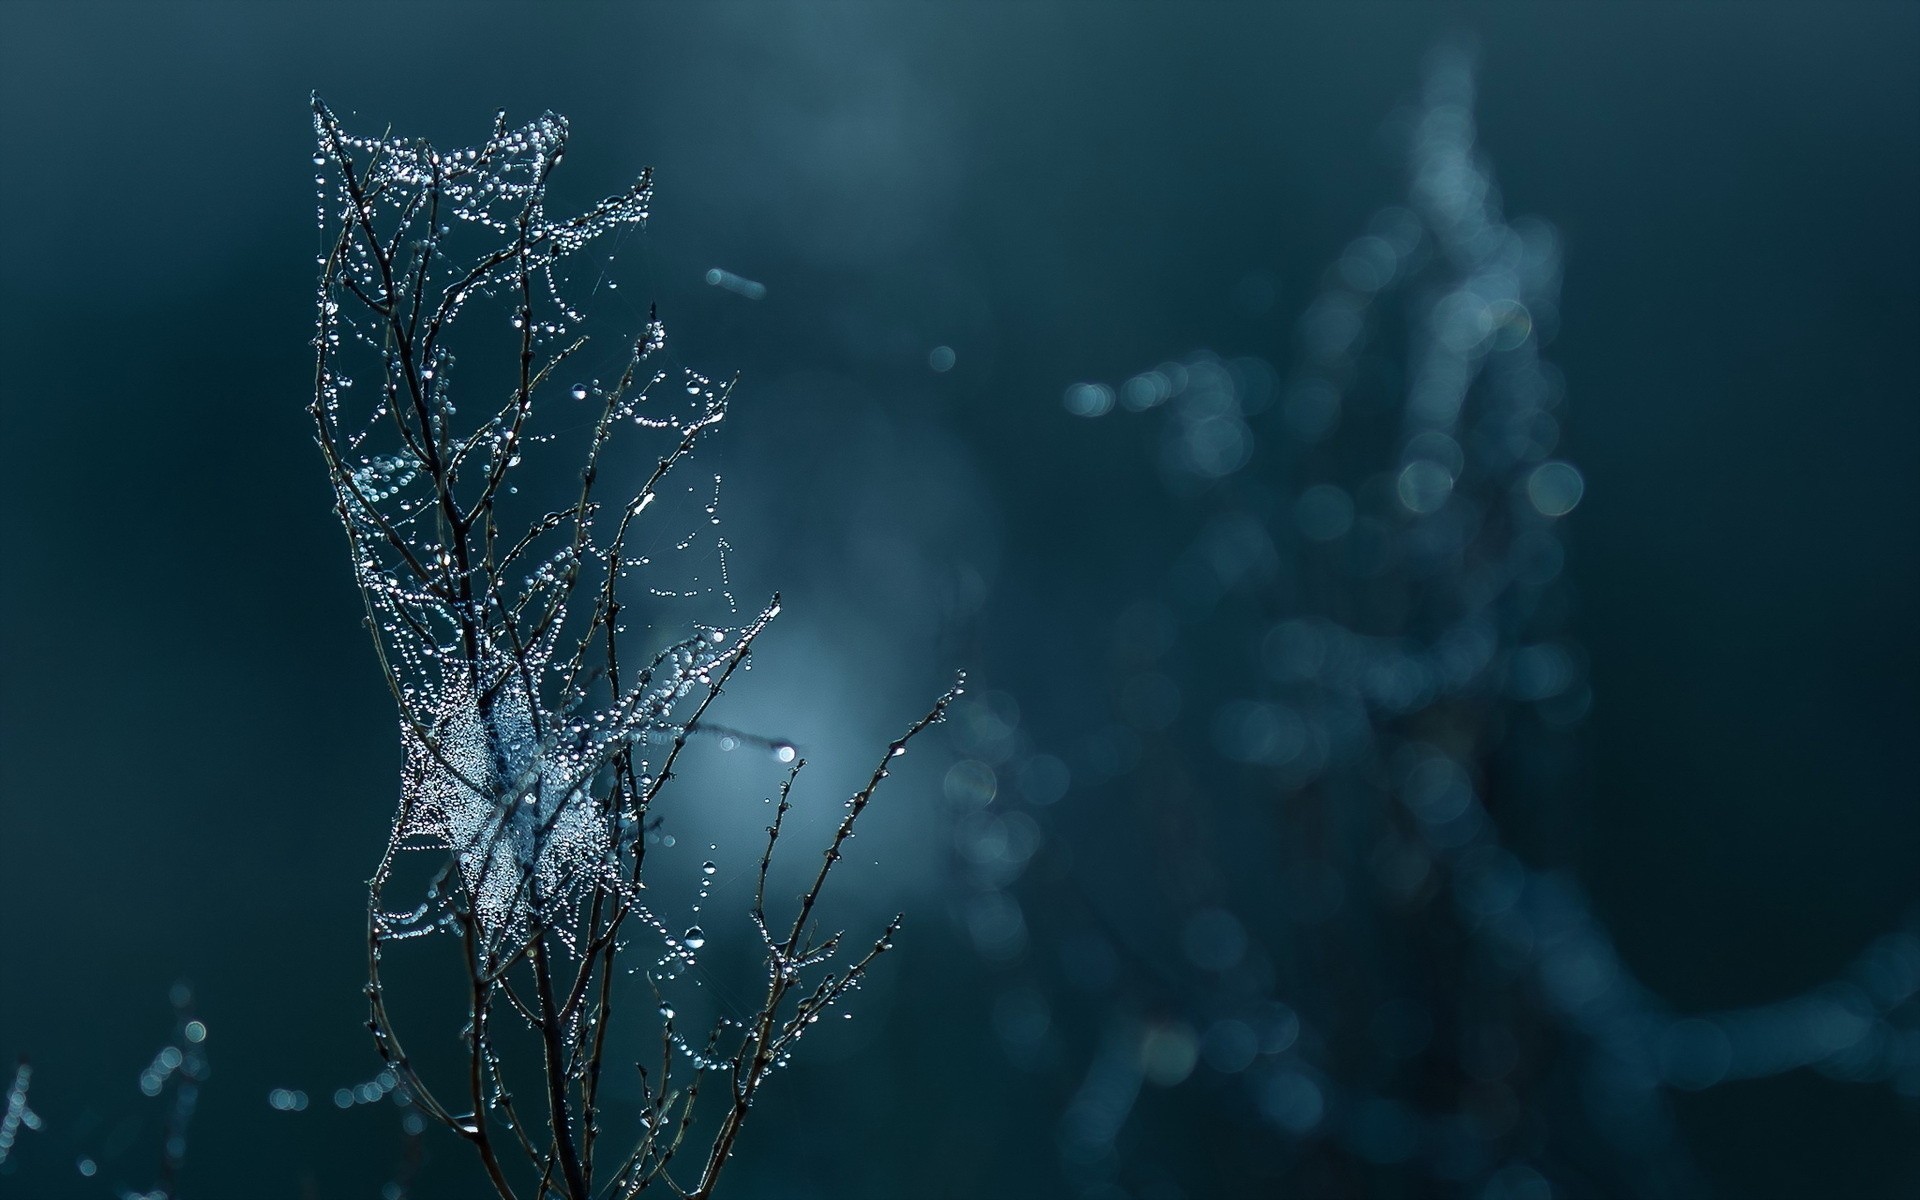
(16, 1115)
(535, 737)
(507, 740)
(497, 185)
(173, 1077)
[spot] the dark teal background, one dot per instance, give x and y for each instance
(197, 759)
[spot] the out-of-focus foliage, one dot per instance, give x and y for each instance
(1327, 893)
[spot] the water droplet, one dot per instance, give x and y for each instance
(694, 938)
(579, 391)
(708, 868)
(784, 752)
(1555, 488)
